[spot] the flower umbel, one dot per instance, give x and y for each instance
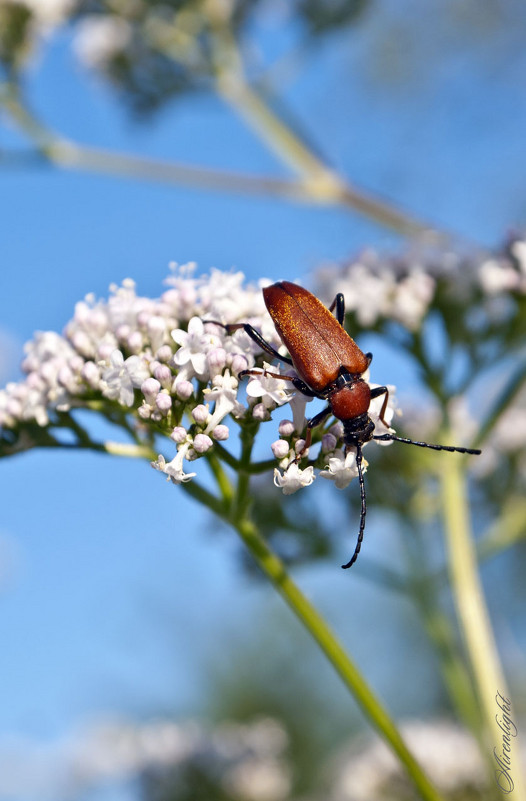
(170, 374)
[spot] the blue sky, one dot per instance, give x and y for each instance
(116, 588)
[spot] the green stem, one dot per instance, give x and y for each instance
(221, 478)
(472, 613)
(317, 627)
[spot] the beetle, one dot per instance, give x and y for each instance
(329, 365)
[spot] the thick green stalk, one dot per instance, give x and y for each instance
(319, 630)
(473, 615)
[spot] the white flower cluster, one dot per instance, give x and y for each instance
(400, 288)
(101, 37)
(163, 362)
(246, 760)
(448, 753)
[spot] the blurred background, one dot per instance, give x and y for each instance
(120, 600)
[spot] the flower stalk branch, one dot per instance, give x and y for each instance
(473, 614)
(319, 630)
(317, 184)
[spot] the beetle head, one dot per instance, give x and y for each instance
(358, 431)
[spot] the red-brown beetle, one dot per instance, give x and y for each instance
(330, 366)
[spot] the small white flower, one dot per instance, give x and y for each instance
(100, 38)
(293, 478)
(412, 297)
(268, 389)
(119, 380)
(156, 328)
(496, 277)
(174, 469)
(224, 393)
(280, 448)
(298, 404)
(342, 469)
(367, 288)
(375, 408)
(518, 250)
(194, 346)
(260, 412)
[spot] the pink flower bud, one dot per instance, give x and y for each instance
(299, 446)
(82, 343)
(142, 318)
(178, 434)
(164, 353)
(164, 375)
(337, 430)
(280, 448)
(184, 389)
(104, 351)
(122, 332)
(328, 443)
(239, 362)
(221, 433)
(200, 413)
(34, 381)
(76, 363)
(65, 378)
(150, 389)
(91, 374)
(134, 342)
(286, 428)
(216, 360)
(202, 443)
(156, 325)
(163, 402)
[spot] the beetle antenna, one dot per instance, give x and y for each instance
(363, 512)
(450, 448)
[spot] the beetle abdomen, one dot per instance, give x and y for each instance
(318, 344)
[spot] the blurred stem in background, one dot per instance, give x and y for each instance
(316, 183)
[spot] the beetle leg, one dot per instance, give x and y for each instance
(375, 393)
(298, 384)
(369, 357)
(254, 335)
(363, 511)
(339, 304)
(314, 422)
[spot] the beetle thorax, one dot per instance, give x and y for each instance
(351, 400)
